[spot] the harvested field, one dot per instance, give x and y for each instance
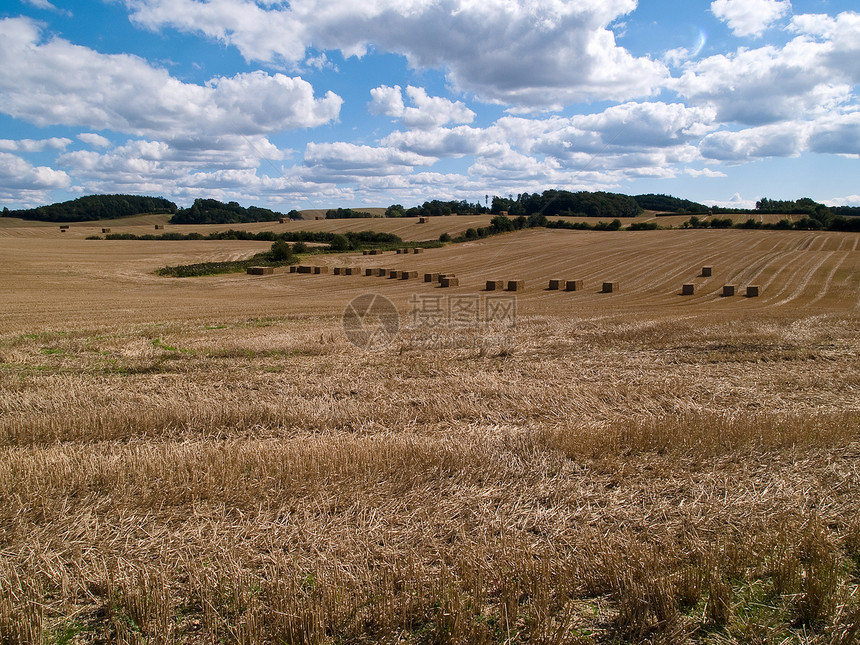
(211, 459)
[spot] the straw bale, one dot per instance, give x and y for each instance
(556, 285)
(431, 277)
(260, 270)
(322, 270)
(573, 285)
(728, 290)
(495, 285)
(752, 291)
(453, 281)
(516, 285)
(707, 272)
(407, 275)
(688, 289)
(610, 287)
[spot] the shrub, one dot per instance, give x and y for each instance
(281, 252)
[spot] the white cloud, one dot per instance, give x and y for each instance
(18, 175)
(387, 101)
(750, 17)
(836, 134)
(850, 200)
(428, 112)
(94, 140)
(780, 140)
(34, 145)
(705, 172)
(527, 53)
(769, 84)
(54, 82)
(341, 161)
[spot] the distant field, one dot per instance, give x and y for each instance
(210, 460)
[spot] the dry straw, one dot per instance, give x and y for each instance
(495, 285)
(555, 285)
(431, 277)
(688, 289)
(321, 270)
(407, 275)
(753, 291)
(452, 281)
(707, 272)
(610, 287)
(728, 290)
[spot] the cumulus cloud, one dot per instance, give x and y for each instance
(770, 84)
(34, 145)
(750, 17)
(94, 140)
(781, 140)
(56, 82)
(517, 52)
(836, 134)
(428, 111)
(342, 159)
(16, 175)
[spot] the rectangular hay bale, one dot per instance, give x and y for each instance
(610, 287)
(293, 268)
(394, 274)
(728, 290)
(260, 270)
(752, 291)
(707, 272)
(688, 289)
(495, 285)
(408, 275)
(431, 277)
(453, 281)
(516, 285)
(573, 285)
(322, 270)
(305, 269)
(556, 285)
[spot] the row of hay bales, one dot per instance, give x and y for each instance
(443, 279)
(689, 289)
(752, 291)
(407, 251)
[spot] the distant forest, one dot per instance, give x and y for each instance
(550, 203)
(95, 207)
(211, 211)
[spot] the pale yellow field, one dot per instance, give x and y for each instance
(207, 460)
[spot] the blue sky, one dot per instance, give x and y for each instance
(321, 103)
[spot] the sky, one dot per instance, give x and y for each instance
(327, 103)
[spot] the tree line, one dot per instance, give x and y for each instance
(549, 203)
(95, 207)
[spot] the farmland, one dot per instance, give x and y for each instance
(211, 459)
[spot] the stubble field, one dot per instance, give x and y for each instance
(211, 460)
